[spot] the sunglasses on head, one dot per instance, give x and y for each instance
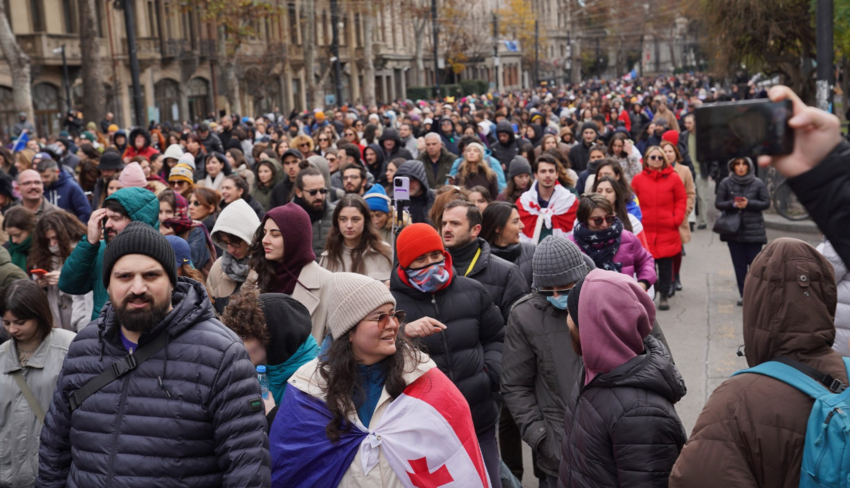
(383, 318)
(551, 293)
(597, 221)
(312, 193)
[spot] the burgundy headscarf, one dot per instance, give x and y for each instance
(297, 232)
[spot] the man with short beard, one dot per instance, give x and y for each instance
(311, 195)
(82, 271)
(192, 410)
(354, 179)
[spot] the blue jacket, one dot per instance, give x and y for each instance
(494, 164)
(66, 194)
(83, 270)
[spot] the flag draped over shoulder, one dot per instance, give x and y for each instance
(559, 215)
(426, 436)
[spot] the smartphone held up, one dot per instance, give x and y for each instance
(748, 128)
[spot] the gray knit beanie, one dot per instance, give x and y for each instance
(557, 262)
(519, 166)
(352, 297)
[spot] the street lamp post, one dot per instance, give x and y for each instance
(130, 26)
(67, 81)
(335, 24)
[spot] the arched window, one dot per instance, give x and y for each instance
(198, 93)
(8, 116)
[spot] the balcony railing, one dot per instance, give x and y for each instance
(40, 47)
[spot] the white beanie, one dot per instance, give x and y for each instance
(188, 160)
(353, 297)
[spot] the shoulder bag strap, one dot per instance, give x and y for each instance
(118, 369)
(834, 385)
(28, 394)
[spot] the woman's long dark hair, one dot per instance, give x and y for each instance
(370, 134)
(26, 300)
(622, 200)
(495, 218)
(68, 232)
(369, 239)
(342, 388)
(266, 275)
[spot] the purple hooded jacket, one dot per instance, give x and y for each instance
(637, 261)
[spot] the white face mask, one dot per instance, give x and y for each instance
(54, 249)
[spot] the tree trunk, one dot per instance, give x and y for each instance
(19, 64)
(368, 53)
(418, 32)
(94, 96)
(314, 91)
(228, 73)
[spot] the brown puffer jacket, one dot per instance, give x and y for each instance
(751, 431)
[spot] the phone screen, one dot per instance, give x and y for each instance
(743, 129)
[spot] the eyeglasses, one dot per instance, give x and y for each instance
(194, 203)
(551, 293)
(323, 139)
(656, 158)
(312, 193)
(304, 144)
(597, 221)
(351, 178)
(383, 318)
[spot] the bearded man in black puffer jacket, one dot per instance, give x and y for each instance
(191, 415)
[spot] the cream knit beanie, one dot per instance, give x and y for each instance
(353, 297)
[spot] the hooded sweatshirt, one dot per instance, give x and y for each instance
(282, 192)
(580, 153)
(83, 270)
(379, 169)
(146, 151)
(263, 193)
(504, 153)
(399, 151)
(66, 194)
(754, 425)
(421, 204)
(296, 229)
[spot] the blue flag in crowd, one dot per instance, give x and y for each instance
(21, 143)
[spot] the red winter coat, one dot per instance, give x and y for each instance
(663, 203)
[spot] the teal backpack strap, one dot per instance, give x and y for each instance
(790, 376)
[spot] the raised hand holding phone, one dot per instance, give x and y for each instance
(95, 226)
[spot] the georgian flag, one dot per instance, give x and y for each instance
(426, 436)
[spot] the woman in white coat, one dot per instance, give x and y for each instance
(842, 310)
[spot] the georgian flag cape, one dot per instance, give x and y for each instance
(426, 436)
(558, 216)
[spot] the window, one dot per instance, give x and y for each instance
(8, 114)
(45, 101)
(69, 11)
(37, 15)
(358, 31)
(293, 22)
(98, 10)
(153, 28)
(167, 99)
(198, 94)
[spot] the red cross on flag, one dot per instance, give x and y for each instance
(427, 437)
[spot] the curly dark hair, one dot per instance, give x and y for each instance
(343, 392)
(68, 232)
(245, 316)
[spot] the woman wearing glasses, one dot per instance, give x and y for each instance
(350, 136)
(354, 245)
(663, 202)
(304, 144)
(323, 143)
(181, 180)
(339, 397)
(599, 233)
(203, 206)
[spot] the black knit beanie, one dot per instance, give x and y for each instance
(288, 323)
(572, 301)
(139, 238)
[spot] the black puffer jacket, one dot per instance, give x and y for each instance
(501, 278)
(469, 351)
(504, 153)
(519, 254)
(752, 220)
(182, 418)
(622, 429)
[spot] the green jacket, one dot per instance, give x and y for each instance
(9, 272)
(83, 270)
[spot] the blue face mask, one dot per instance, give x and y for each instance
(559, 302)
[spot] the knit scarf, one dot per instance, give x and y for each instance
(279, 374)
(19, 252)
(747, 178)
(182, 223)
(235, 269)
(600, 245)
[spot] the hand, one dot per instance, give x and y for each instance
(51, 278)
(816, 133)
(166, 231)
(742, 203)
(423, 327)
(95, 231)
(643, 285)
(269, 403)
(627, 147)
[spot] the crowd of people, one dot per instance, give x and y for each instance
(245, 302)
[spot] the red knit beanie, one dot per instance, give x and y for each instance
(416, 240)
(672, 137)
